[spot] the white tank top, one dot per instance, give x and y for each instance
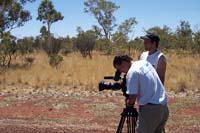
(153, 58)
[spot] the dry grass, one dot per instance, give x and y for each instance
(182, 72)
(74, 71)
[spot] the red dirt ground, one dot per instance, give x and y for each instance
(83, 114)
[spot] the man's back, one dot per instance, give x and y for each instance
(143, 80)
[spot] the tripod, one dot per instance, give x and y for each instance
(129, 114)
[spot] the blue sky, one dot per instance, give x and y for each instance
(148, 13)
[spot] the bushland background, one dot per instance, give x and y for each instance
(63, 68)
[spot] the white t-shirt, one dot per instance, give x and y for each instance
(153, 58)
(142, 80)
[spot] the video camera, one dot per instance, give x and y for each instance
(114, 85)
(129, 113)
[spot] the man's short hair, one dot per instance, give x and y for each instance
(119, 58)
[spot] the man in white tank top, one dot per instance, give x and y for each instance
(153, 55)
(143, 84)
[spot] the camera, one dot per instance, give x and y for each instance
(129, 113)
(114, 85)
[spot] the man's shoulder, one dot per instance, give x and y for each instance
(160, 53)
(144, 55)
(162, 58)
(145, 52)
(139, 63)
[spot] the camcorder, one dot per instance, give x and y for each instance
(119, 83)
(129, 113)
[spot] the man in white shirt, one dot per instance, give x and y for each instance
(143, 84)
(153, 55)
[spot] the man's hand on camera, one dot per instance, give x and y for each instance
(130, 100)
(128, 103)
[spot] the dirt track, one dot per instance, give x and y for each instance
(76, 113)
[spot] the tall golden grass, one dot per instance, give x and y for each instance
(183, 72)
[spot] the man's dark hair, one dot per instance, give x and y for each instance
(153, 37)
(119, 58)
(157, 42)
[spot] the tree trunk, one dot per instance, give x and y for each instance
(9, 59)
(49, 45)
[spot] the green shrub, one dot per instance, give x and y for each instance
(55, 60)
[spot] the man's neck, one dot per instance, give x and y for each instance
(129, 66)
(152, 51)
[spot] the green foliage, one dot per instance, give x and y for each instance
(48, 14)
(136, 44)
(38, 43)
(119, 38)
(124, 29)
(103, 11)
(25, 45)
(7, 49)
(67, 45)
(98, 31)
(43, 31)
(167, 39)
(181, 39)
(184, 35)
(13, 15)
(196, 46)
(85, 42)
(54, 47)
(197, 38)
(55, 60)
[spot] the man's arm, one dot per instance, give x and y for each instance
(161, 68)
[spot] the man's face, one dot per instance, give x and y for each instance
(124, 67)
(148, 45)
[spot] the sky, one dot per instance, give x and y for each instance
(148, 13)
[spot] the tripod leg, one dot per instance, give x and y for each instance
(121, 123)
(133, 124)
(128, 124)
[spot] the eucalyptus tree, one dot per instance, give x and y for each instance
(124, 29)
(13, 14)
(85, 42)
(196, 37)
(103, 11)
(48, 15)
(121, 36)
(184, 35)
(25, 45)
(7, 49)
(7, 4)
